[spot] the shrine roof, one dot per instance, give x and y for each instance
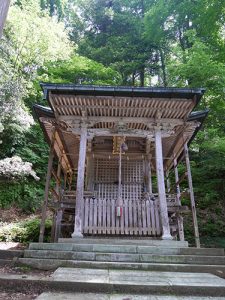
(107, 108)
(45, 111)
(123, 91)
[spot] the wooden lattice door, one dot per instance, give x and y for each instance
(139, 216)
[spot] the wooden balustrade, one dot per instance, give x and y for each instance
(137, 218)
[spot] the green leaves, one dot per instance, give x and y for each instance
(79, 70)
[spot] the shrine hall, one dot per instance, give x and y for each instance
(113, 160)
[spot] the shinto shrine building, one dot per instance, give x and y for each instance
(114, 152)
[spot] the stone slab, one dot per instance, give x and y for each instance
(9, 254)
(52, 264)
(94, 296)
(125, 241)
(125, 257)
(136, 248)
(133, 277)
(112, 282)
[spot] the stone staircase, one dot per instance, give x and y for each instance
(130, 268)
(154, 255)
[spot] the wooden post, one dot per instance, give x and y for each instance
(48, 178)
(167, 181)
(192, 198)
(90, 173)
(58, 224)
(89, 166)
(80, 184)
(58, 214)
(161, 186)
(119, 178)
(149, 175)
(4, 7)
(53, 226)
(179, 217)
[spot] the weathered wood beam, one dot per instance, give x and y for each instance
(119, 108)
(80, 183)
(65, 148)
(192, 198)
(4, 7)
(161, 186)
(179, 217)
(47, 186)
(171, 150)
(146, 121)
(128, 132)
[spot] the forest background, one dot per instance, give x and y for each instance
(177, 43)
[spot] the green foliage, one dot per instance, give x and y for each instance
(79, 70)
(24, 232)
(113, 35)
(31, 39)
(24, 195)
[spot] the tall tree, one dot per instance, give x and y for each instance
(113, 35)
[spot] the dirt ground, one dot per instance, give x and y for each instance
(30, 294)
(17, 296)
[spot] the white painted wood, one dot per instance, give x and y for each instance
(192, 198)
(80, 183)
(161, 185)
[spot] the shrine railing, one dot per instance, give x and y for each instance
(100, 216)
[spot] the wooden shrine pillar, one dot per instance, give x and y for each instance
(89, 166)
(179, 217)
(48, 178)
(80, 184)
(148, 166)
(161, 185)
(192, 198)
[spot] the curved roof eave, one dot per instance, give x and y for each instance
(123, 91)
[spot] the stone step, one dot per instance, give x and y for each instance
(52, 264)
(126, 241)
(118, 281)
(126, 249)
(98, 296)
(6, 262)
(140, 282)
(125, 257)
(10, 254)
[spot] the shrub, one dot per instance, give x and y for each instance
(24, 232)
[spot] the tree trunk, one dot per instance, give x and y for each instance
(163, 67)
(4, 7)
(142, 76)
